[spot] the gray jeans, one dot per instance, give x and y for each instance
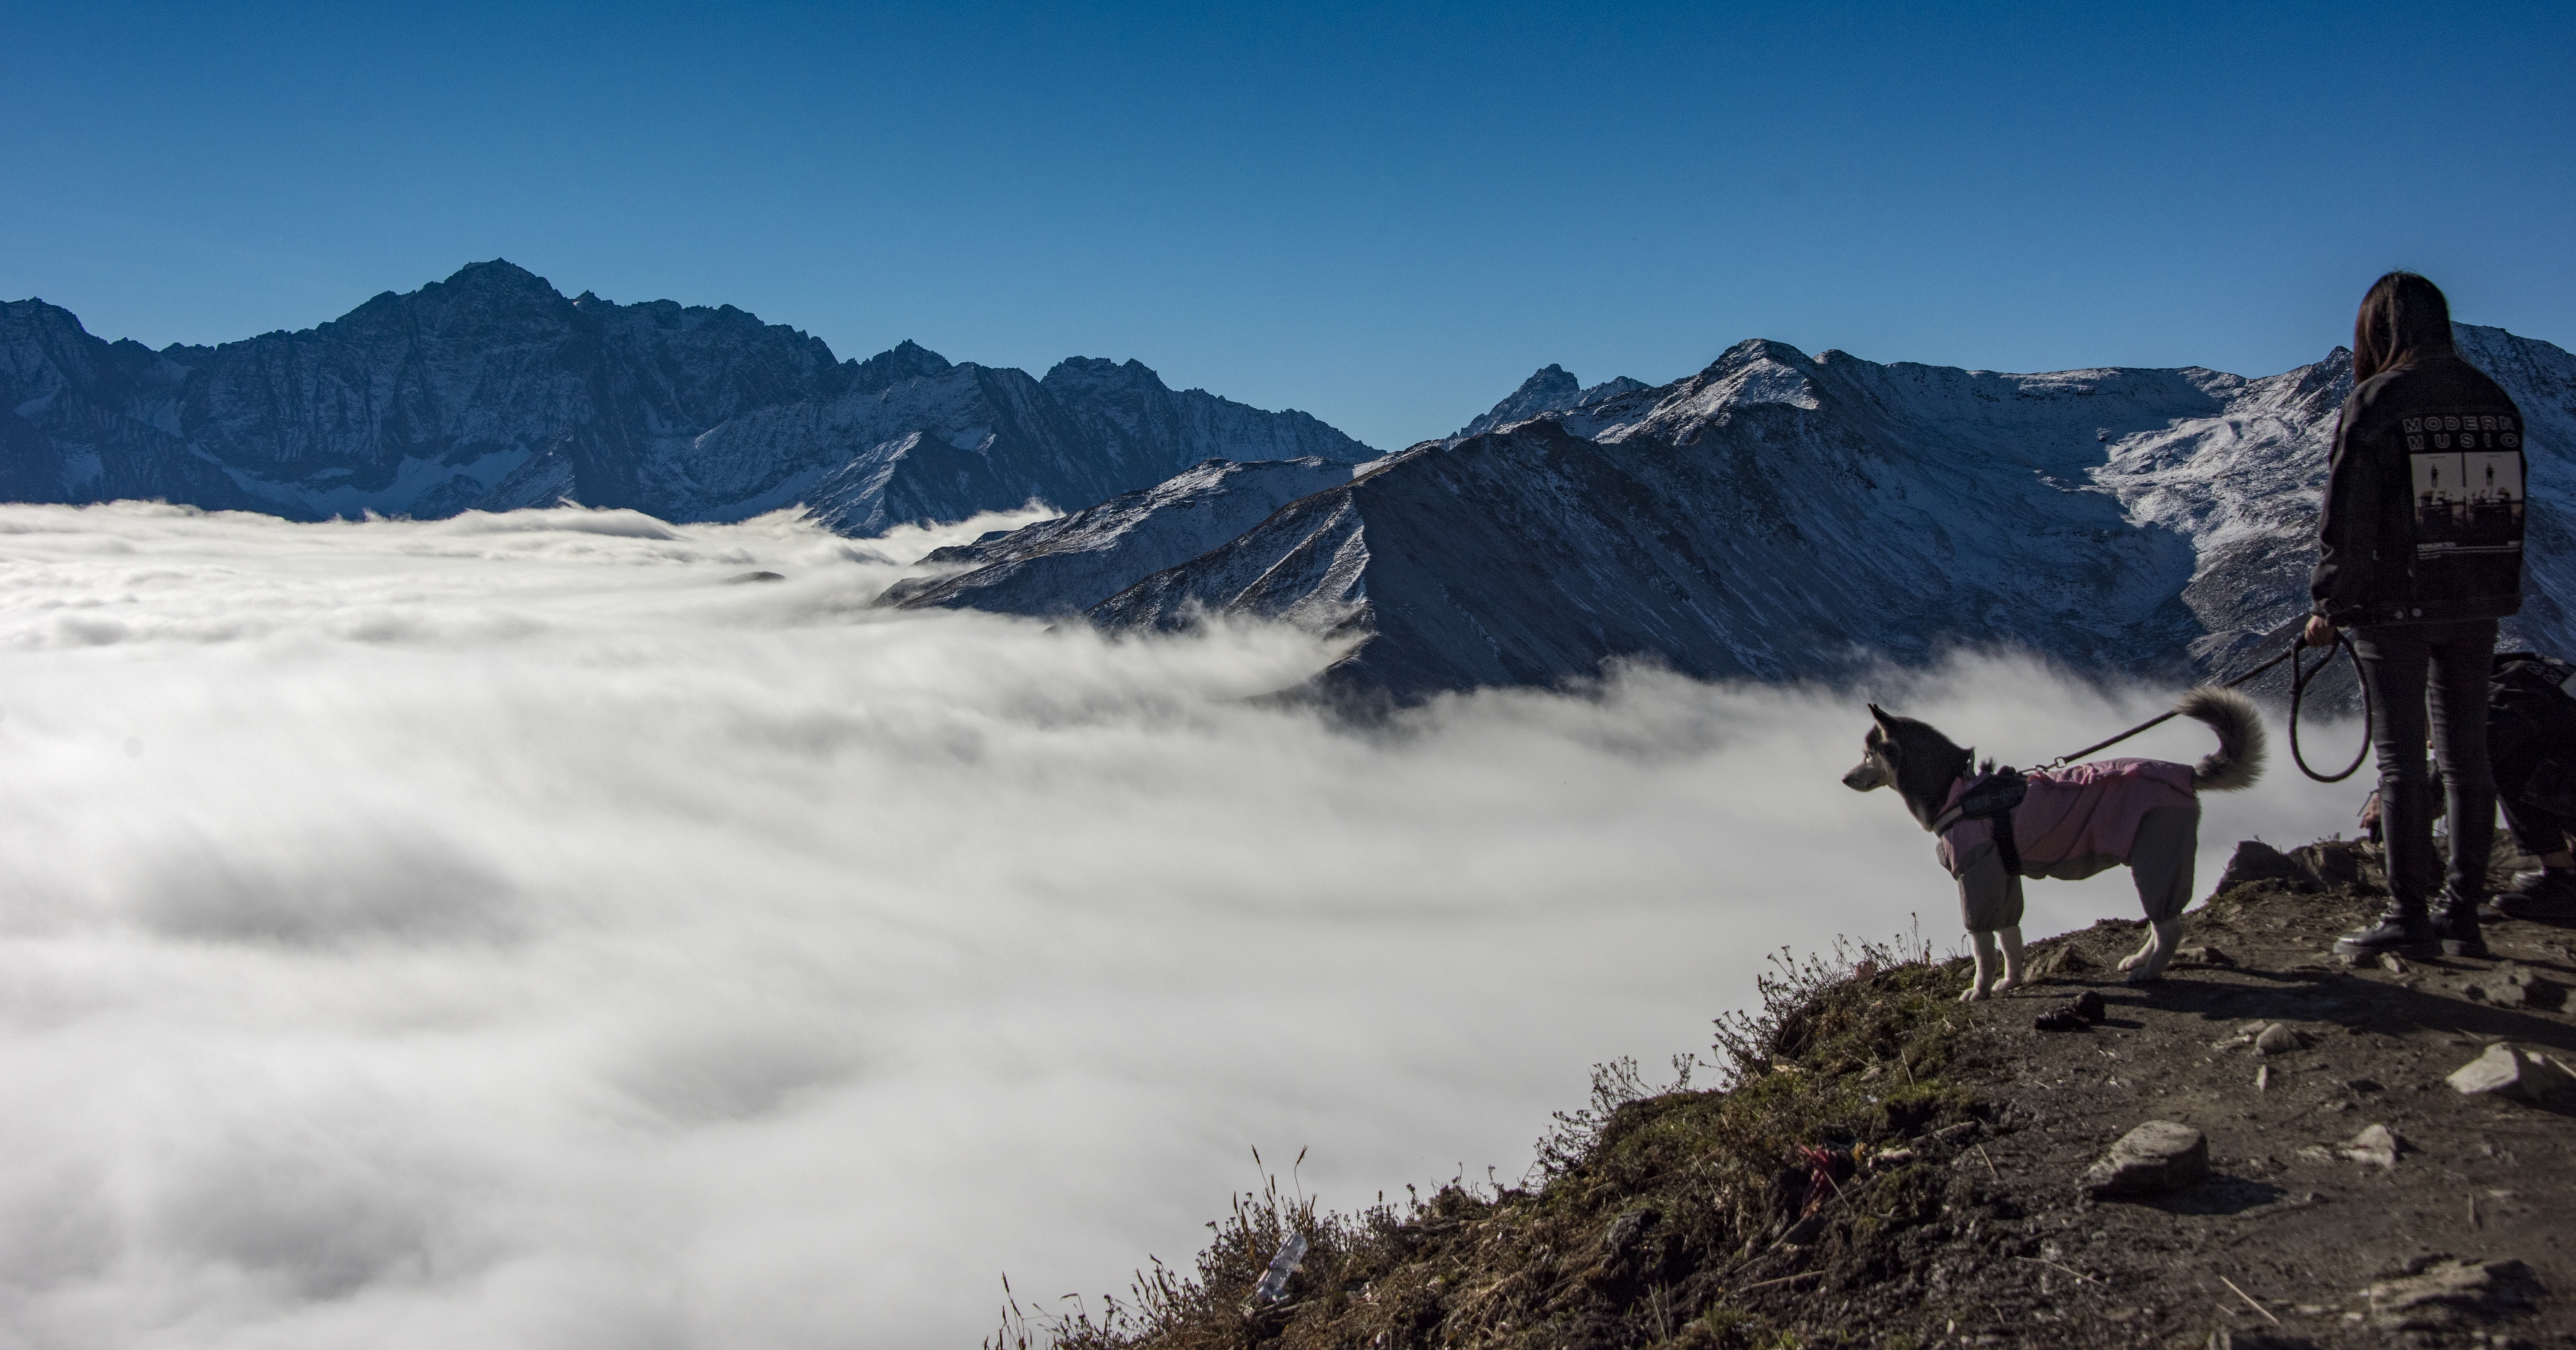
(2442, 669)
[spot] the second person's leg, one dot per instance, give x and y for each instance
(2462, 657)
(2394, 659)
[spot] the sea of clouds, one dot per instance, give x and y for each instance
(511, 932)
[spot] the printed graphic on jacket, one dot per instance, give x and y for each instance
(2468, 482)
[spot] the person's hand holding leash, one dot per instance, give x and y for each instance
(2320, 633)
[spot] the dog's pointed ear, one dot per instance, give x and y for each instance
(1879, 714)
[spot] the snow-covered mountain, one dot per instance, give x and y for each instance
(1068, 564)
(1778, 516)
(1550, 390)
(491, 390)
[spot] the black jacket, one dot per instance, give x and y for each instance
(2424, 502)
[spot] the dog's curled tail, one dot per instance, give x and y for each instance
(2238, 760)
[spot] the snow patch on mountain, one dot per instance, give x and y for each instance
(1551, 389)
(1067, 565)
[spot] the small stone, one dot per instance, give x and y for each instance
(2075, 1014)
(2376, 1144)
(2276, 1039)
(2155, 1158)
(2392, 963)
(2203, 956)
(2505, 995)
(2512, 974)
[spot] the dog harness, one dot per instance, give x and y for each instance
(1990, 797)
(2070, 822)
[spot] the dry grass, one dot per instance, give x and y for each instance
(1651, 1217)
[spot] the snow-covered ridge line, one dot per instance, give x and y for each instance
(1778, 516)
(492, 391)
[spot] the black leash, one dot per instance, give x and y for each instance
(2300, 674)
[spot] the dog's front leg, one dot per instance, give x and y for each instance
(1984, 943)
(2012, 960)
(2148, 962)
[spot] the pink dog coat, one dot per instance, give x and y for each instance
(2072, 823)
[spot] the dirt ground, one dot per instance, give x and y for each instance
(2285, 1242)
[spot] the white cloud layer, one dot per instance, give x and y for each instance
(502, 932)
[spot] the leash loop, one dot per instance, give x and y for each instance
(2300, 674)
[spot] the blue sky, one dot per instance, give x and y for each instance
(1385, 215)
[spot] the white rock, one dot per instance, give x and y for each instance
(2512, 1070)
(2377, 1145)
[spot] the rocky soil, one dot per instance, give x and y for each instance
(2298, 1235)
(1888, 1167)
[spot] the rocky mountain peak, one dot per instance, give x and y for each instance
(500, 276)
(1103, 374)
(1550, 389)
(905, 360)
(1547, 382)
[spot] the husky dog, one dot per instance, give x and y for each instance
(2070, 823)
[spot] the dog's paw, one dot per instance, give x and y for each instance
(1975, 993)
(2132, 960)
(2144, 974)
(2007, 982)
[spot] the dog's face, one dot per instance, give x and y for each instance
(1878, 749)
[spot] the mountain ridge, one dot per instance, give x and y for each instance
(1776, 516)
(492, 390)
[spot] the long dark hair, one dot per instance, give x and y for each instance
(2403, 320)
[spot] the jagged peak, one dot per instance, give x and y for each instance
(905, 360)
(499, 272)
(1094, 368)
(1548, 379)
(33, 309)
(1751, 350)
(1549, 389)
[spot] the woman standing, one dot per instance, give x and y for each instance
(2420, 553)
